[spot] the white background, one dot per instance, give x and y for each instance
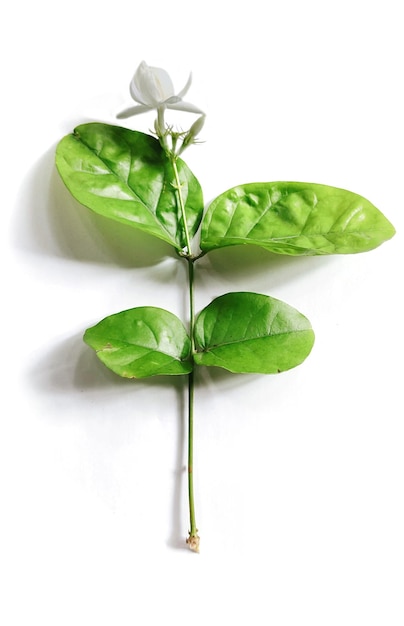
(299, 477)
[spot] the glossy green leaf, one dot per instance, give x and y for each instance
(141, 342)
(295, 219)
(125, 175)
(252, 333)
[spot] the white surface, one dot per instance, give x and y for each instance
(299, 478)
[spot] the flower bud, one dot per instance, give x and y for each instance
(191, 135)
(197, 126)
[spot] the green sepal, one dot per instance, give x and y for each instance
(295, 219)
(126, 176)
(142, 342)
(252, 333)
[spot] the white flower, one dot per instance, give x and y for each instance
(152, 88)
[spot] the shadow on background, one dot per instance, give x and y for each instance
(50, 222)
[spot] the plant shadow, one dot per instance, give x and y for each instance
(237, 264)
(50, 222)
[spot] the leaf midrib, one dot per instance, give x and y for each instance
(301, 234)
(230, 343)
(138, 345)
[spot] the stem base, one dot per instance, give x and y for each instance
(193, 543)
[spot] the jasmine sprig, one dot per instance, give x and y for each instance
(133, 178)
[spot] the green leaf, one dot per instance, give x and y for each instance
(141, 342)
(295, 219)
(252, 333)
(125, 175)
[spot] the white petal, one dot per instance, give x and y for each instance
(151, 85)
(183, 106)
(140, 108)
(162, 84)
(136, 84)
(187, 86)
(172, 100)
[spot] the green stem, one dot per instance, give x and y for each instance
(193, 539)
(181, 203)
(191, 300)
(193, 529)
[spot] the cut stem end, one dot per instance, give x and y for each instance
(193, 543)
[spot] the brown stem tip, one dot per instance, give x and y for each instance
(193, 543)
